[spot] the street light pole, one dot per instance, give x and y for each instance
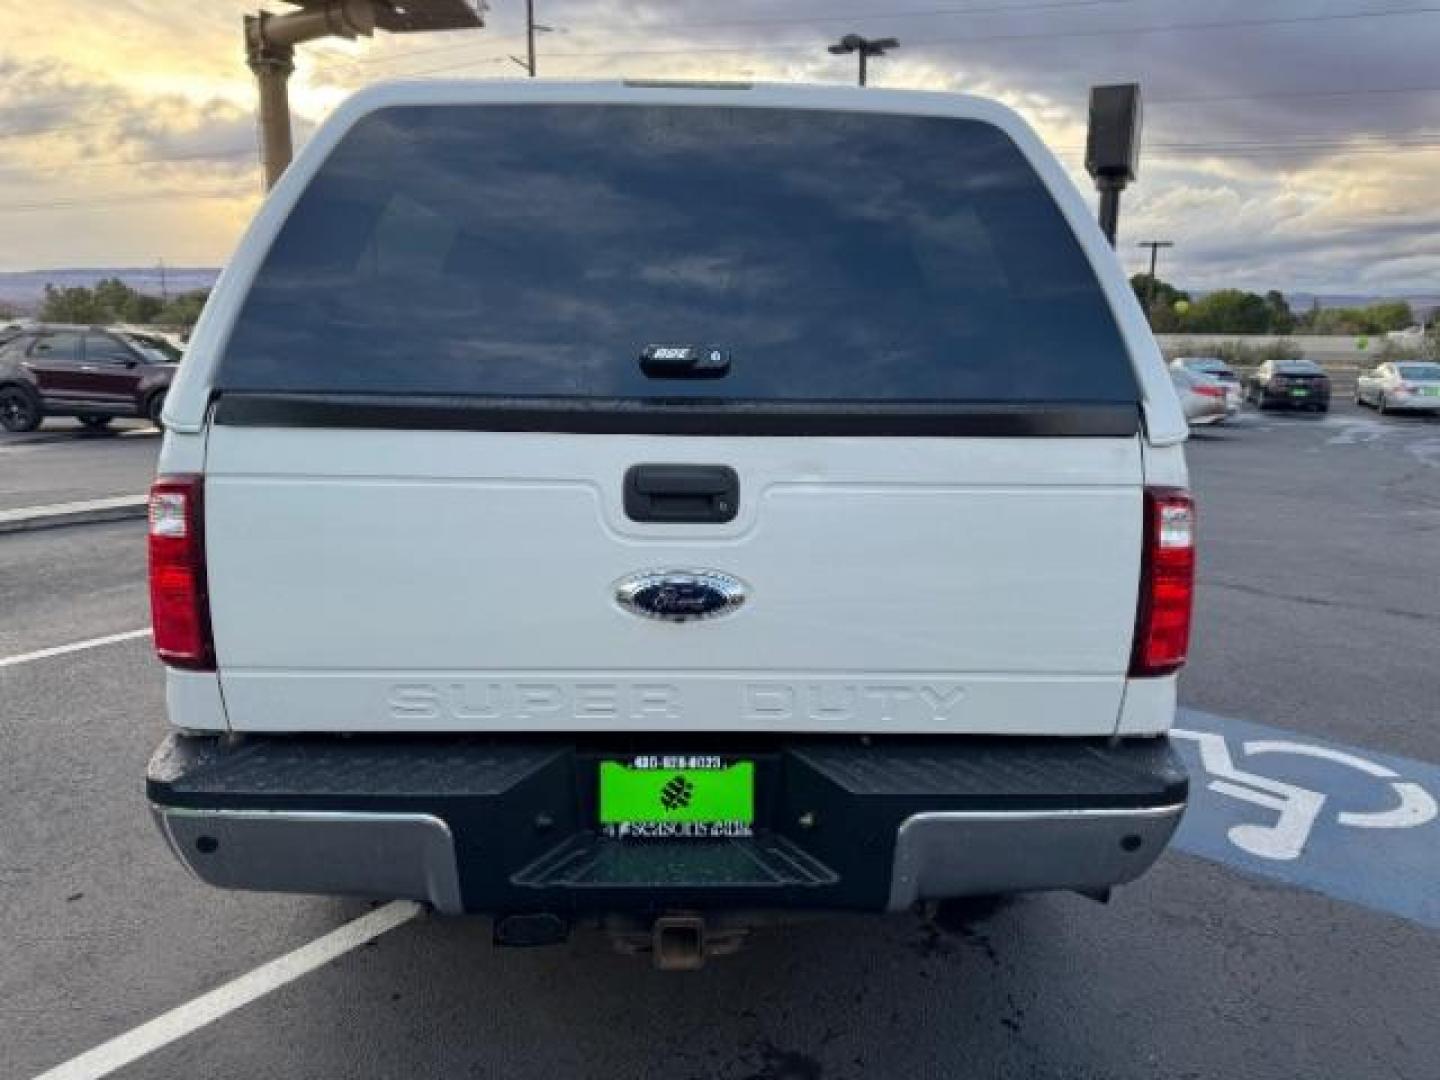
(270, 42)
(865, 48)
(1112, 148)
(273, 63)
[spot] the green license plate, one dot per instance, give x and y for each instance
(1299, 393)
(677, 795)
(1431, 391)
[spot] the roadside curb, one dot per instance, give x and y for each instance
(88, 512)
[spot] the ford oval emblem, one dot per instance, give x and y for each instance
(680, 595)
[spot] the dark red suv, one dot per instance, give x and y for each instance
(86, 372)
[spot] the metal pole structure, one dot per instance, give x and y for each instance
(531, 29)
(270, 42)
(273, 65)
(863, 54)
(1110, 188)
(1112, 148)
(1154, 246)
(530, 36)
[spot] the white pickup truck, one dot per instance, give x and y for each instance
(663, 501)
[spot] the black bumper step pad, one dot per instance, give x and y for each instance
(590, 862)
(1000, 772)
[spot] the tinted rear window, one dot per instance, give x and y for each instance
(536, 251)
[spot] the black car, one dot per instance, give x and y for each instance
(86, 372)
(1291, 384)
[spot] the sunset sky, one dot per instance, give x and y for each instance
(1289, 143)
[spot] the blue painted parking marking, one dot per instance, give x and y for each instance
(1351, 823)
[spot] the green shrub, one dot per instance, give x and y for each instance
(1238, 353)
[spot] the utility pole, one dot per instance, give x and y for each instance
(164, 285)
(1154, 246)
(531, 29)
(865, 47)
(270, 42)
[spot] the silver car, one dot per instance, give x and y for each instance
(1204, 399)
(1216, 369)
(1408, 385)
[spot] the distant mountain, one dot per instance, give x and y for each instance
(26, 288)
(1421, 303)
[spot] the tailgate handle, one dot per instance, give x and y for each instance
(681, 493)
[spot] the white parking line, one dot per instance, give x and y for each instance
(112, 508)
(207, 1008)
(74, 646)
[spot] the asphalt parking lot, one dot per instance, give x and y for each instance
(1244, 953)
(62, 463)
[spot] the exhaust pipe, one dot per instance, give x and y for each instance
(678, 943)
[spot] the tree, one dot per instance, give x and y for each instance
(1158, 298)
(183, 310)
(112, 301)
(1229, 311)
(70, 305)
(1389, 315)
(1164, 292)
(1378, 318)
(1282, 319)
(112, 296)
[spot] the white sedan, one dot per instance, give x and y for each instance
(1409, 385)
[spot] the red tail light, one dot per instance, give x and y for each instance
(1167, 584)
(179, 605)
(1209, 391)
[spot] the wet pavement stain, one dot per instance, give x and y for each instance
(777, 1064)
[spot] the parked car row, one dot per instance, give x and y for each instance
(1210, 390)
(89, 372)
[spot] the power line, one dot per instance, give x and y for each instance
(119, 200)
(1356, 92)
(115, 163)
(1049, 35)
(1048, 5)
(89, 125)
(47, 106)
(1282, 149)
(855, 16)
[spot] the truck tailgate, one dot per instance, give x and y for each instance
(389, 580)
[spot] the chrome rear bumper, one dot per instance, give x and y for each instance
(501, 826)
(388, 856)
(945, 855)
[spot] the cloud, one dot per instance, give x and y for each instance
(1295, 154)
